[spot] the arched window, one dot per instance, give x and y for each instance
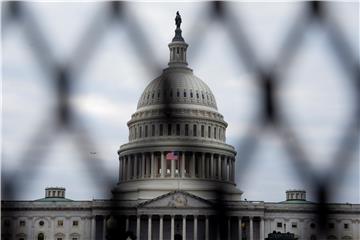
(177, 129)
(41, 236)
(161, 130)
(153, 130)
(194, 130)
(146, 130)
(209, 132)
(186, 129)
(202, 130)
(169, 129)
(215, 132)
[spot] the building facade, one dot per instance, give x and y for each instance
(176, 180)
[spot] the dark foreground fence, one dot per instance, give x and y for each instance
(63, 78)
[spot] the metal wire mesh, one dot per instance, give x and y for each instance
(63, 78)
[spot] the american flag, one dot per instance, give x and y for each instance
(171, 156)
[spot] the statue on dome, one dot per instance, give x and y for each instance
(178, 19)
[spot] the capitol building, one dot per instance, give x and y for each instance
(176, 180)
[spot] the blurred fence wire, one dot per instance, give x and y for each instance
(63, 77)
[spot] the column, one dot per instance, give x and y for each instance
(172, 228)
(251, 229)
(138, 227)
(229, 229)
(152, 169)
(207, 228)
(93, 228)
(219, 167)
(228, 169)
(135, 166)
(212, 165)
(193, 165)
(233, 169)
(262, 229)
(162, 164)
(161, 232)
(124, 169)
(127, 223)
(184, 227)
(195, 227)
(202, 165)
(104, 228)
(128, 165)
(173, 168)
(240, 229)
(149, 227)
(183, 165)
(120, 168)
(143, 165)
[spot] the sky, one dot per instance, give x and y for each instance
(315, 92)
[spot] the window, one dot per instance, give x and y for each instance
(22, 223)
(171, 94)
(41, 223)
(184, 93)
(191, 95)
(197, 95)
(41, 236)
(346, 226)
(161, 130)
(7, 223)
(169, 129)
(152, 95)
(158, 94)
(186, 129)
(178, 93)
(140, 131)
(194, 130)
(202, 130)
(215, 132)
(75, 223)
(146, 130)
(153, 130)
(135, 132)
(312, 225)
(60, 223)
(294, 225)
(279, 224)
(177, 129)
(331, 225)
(209, 132)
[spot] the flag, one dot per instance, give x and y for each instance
(171, 156)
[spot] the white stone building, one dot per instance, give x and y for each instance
(171, 174)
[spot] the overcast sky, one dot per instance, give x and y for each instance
(315, 92)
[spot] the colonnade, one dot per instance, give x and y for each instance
(199, 227)
(187, 164)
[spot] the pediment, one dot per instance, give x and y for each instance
(177, 199)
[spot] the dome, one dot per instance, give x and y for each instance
(177, 138)
(177, 86)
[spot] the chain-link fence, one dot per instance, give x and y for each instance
(63, 78)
